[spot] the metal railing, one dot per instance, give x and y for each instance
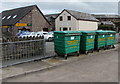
(24, 51)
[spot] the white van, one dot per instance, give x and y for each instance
(49, 36)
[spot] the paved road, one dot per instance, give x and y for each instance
(102, 67)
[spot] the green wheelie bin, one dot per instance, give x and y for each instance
(110, 39)
(100, 40)
(66, 42)
(87, 41)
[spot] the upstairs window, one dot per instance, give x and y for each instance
(61, 18)
(68, 17)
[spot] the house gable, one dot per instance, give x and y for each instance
(63, 12)
(65, 23)
(79, 21)
(80, 16)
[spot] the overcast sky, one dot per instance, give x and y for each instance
(51, 7)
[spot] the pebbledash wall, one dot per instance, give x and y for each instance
(65, 23)
(87, 25)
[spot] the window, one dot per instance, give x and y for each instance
(35, 10)
(68, 17)
(14, 16)
(65, 29)
(8, 17)
(4, 17)
(60, 28)
(61, 18)
(69, 28)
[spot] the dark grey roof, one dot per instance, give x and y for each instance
(106, 16)
(19, 12)
(82, 16)
(51, 17)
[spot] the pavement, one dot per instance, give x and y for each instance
(44, 65)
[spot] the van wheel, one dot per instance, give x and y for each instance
(65, 56)
(49, 39)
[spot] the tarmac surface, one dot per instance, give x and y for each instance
(95, 67)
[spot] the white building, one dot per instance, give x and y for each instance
(73, 20)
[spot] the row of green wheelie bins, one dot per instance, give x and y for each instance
(66, 42)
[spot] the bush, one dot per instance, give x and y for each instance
(106, 27)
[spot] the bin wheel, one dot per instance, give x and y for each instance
(104, 48)
(92, 50)
(78, 53)
(65, 56)
(98, 50)
(113, 46)
(86, 52)
(108, 47)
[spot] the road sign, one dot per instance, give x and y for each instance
(29, 24)
(20, 24)
(5, 26)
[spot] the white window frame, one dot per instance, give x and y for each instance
(14, 16)
(3, 17)
(8, 17)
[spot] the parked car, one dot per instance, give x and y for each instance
(38, 34)
(24, 34)
(49, 36)
(33, 34)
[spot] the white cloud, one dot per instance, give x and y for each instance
(55, 7)
(60, 1)
(50, 11)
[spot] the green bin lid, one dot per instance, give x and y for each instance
(101, 32)
(67, 32)
(112, 32)
(89, 32)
